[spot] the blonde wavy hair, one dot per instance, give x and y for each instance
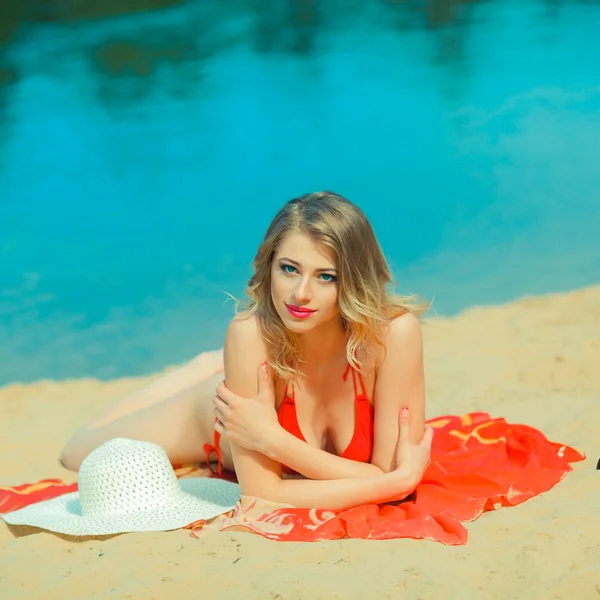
(366, 304)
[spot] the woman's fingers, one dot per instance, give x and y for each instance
(219, 427)
(226, 395)
(265, 383)
(221, 412)
(413, 457)
(221, 405)
(405, 430)
(427, 437)
(404, 422)
(403, 447)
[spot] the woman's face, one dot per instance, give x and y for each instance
(304, 283)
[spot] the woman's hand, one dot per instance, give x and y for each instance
(412, 459)
(248, 422)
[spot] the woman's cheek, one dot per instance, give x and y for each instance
(330, 301)
(277, 287)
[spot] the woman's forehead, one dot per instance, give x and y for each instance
(305, 250)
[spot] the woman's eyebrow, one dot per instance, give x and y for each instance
(297, 264)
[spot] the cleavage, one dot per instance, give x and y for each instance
(329, 421)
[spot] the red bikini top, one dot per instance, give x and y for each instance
(360, 447)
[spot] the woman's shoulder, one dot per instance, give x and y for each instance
(244, 351)
(405, 324)
(244, 324)
(402, 332)
(244, 333)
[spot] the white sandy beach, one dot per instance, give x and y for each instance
(534, 361)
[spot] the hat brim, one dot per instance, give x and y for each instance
(199, 499)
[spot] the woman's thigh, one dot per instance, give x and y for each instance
(168, 385)
(181, 424)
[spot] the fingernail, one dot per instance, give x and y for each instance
(404, 411)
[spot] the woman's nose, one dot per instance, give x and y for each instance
(302, 292)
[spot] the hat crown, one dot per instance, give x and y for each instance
(124, 476)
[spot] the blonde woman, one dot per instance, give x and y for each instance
(323, 374)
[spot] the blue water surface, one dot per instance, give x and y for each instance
(143, 155)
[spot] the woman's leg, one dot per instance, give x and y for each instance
(180, 422)
(191, 374)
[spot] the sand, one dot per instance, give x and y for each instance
(534, 361)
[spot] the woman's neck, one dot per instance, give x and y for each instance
(324, 346)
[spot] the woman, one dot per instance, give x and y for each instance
(344, 357)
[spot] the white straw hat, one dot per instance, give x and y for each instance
(127, 485)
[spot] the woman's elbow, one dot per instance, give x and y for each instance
(381, 467)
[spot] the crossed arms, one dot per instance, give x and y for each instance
(336, 482)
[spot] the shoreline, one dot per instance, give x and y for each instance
(142, 379)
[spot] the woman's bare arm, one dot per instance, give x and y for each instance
(400, 382)
(260, 475)
(315, 463)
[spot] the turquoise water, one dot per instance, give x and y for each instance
(143, 155)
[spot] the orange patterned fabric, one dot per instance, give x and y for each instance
(478, 464)
(12, 498)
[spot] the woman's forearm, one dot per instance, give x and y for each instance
(314, 463)
(340, 494)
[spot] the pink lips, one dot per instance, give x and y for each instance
(299, 312)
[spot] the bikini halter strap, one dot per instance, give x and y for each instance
(360, 378)
(363, 389)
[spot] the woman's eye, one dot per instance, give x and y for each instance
(325, 277)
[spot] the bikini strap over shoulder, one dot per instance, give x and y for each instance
(286, 396)
(360, 378)
(362, 385)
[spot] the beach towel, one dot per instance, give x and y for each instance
(478, 464)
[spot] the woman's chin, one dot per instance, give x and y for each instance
(297, 325)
